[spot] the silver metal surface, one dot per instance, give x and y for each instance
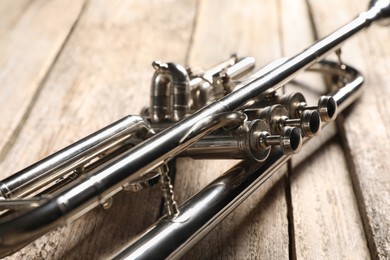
(172, 236)
(218, 81)
(169, 93)
(131, 130)
(193, 106)
(252, 141)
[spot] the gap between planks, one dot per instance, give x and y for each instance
(325, 222)
(365, 128)
(77, 98)
(17, 126)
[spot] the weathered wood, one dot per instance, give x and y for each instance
(365, 128)
(258, 228)
(102, 74)
(324, 205)
(26, 54)
(10, 12)
(326, 222)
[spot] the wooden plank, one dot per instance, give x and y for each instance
(326, 222)
(365, 127)
(26, 54)
(10, 12)
(108, 51)
(102, 74)
(258, 228)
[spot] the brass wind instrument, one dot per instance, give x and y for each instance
(223, 112)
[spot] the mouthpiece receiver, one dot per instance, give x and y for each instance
(203, 119)
(380, 11)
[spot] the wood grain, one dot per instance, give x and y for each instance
(258, 228)
(365, 128)
(102, 74)
(26, 54)
(10, 12)
(68, 68)
(323, 204)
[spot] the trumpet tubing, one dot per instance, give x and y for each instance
(223, 112)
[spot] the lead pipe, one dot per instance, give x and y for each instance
(103, 183)
(173, 236)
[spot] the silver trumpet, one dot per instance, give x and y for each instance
(223, 112)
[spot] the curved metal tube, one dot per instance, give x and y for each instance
(70, 204)
(31, 179)
(172, 236)
(102, 183)
(169, 93)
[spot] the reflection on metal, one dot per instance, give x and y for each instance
(222, 112)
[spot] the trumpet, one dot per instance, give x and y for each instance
(224, 112)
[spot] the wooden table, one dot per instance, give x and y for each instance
(68, 68)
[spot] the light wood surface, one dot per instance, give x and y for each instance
(364, 130)
(29, 46)
(68, 68)
(223, 34)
